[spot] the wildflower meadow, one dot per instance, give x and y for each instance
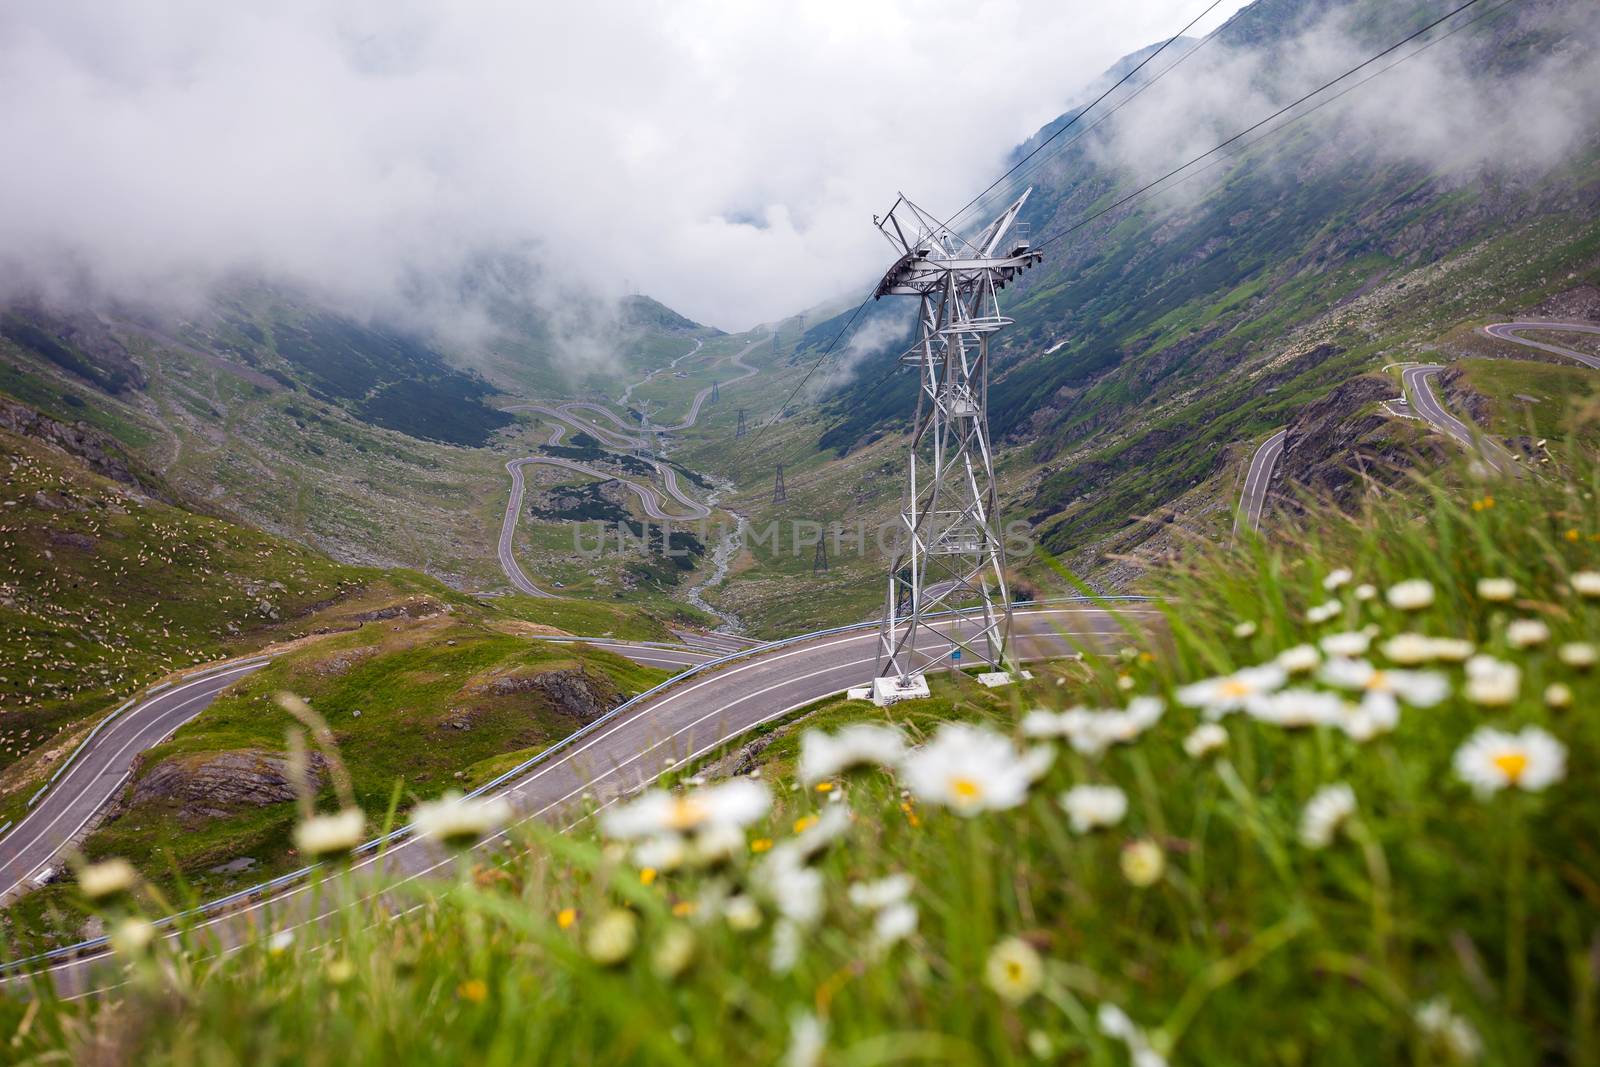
(1339, 807)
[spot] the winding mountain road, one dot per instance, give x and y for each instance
(1253, 500)
(103, 764)
(1418, 384)
(566, 415)
(1509, 331)
(681, 722)
(70, 805)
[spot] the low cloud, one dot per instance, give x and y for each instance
(723, 157)
(1450, 109)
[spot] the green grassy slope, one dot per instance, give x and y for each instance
(103, 591)
(1198, 320)
(1208, 911)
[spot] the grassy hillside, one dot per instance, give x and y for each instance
(1153, 340)
(416, 705)
(1301, 882)
(104, 590)
(372, 441)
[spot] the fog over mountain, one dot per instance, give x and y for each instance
(724, 158)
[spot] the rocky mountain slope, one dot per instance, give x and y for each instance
(1157, 337)
(373, 441)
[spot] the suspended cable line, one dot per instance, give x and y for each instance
(1256, 126)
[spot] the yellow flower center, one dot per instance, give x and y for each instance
(1013, 971)
(1512, 765)
(686, 812)
(566, 917)
(1235, 688)
(1378, 681)
(965, 788)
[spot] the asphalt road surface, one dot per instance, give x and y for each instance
(70, 804)
(1508, 331)
(679, 724)
(1418, 384)
(566, 415)
(1254, 498)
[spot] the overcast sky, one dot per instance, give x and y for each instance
(725, 156)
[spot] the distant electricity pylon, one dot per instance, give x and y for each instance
(951, 555)
(715, 396)
(652, 443)
(819, 562)
(779, 495)
(739, 432)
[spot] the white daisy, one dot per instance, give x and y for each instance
(1014, 970)
(808, 1035)
(457, 820)
(794, 889)
(666, 852)
(1091, 807)
(970, 770)
(1042, 723)
(331, 835)
(1324, 813)
(1498, 590)
(882, 893)
(1348, 644)
(1452, 649)
(1365, 591)
(1558, 695)
(1299, 659)
(1142, 863)
(1321, 613)
(132, 937)
(1244, 629)
(1525, 633)
(785, 946)
(1408, 649)
(1457, 1036)
(1378, 713)
(1337, 578)
(1492, 682)
(742, 913)
(1205, 739)
(1413, 595)
(1092, 732)
(894, 924)
(825, 755)
(1586, 584)
(1491, 760)
(1230, 692)
(1114, 1023)
(1293, 708)
(1421, 689)
(1579, 655)
(735, 803)
(110, 878)
(611, 939)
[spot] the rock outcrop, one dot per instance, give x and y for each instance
(1346, 441)
(97, 450)
(572, 691)
(215, 785)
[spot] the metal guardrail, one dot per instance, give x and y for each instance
(268, 887)
(148, 693)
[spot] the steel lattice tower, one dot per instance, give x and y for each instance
(951, 557)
